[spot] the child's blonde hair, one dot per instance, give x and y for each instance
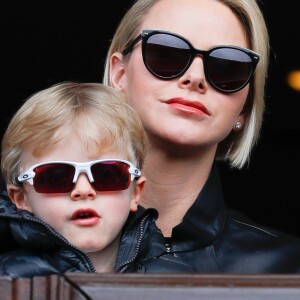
(98, 114)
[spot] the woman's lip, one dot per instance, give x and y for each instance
(85, 217)
(188, 106)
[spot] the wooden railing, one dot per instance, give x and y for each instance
(78, 286)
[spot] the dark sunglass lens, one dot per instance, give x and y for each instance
(228, 69)
(110, 176)
(54, 178)
(166, 56)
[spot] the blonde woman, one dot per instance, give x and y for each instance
(195, 72)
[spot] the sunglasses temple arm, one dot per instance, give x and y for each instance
(131, 45)
(26, 177)
(135, 173)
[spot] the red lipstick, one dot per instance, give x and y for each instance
(188, 106)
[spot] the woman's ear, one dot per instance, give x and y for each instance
(117, 72)
(139, 186)
(17, 196)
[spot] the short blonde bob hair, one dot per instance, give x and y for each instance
(237, 146)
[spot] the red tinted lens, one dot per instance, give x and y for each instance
(110, 176)
(165, 55)
(53, 178)
(228, 69)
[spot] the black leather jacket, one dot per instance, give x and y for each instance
(30, 247)
(215, 239)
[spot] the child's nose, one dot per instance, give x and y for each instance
(83, 189)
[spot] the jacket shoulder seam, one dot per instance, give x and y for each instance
(256, 227)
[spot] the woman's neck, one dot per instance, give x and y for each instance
(173, 184)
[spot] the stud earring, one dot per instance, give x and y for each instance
(238, 125)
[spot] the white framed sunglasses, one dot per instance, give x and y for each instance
(61, 176)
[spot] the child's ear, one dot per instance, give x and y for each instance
(16, 195)
(139, 186)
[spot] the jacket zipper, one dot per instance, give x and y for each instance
(57, 235)
(137, 248)
(168, 248)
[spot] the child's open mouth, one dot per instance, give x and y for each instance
(85, 217)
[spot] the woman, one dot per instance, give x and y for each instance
(195, 72)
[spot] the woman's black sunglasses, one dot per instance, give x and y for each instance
(168, 55)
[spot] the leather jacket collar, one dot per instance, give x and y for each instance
(204, 219)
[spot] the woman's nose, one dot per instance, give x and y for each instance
(194, 77)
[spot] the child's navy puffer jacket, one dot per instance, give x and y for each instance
(30, 247)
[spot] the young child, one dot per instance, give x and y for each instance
(71, 160)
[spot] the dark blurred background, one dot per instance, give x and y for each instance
(45, 43)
